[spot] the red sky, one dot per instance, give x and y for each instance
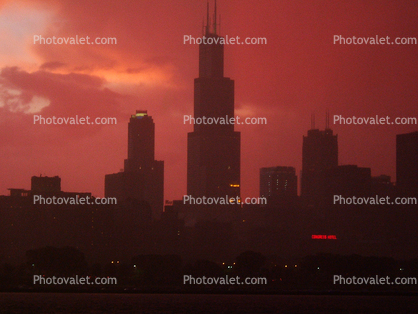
(298, 72)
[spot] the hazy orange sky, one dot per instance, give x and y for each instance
(298, 72)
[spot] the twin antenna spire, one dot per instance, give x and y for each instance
(207, 28)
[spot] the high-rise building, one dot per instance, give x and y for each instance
(278, 183)
(213, 150)
(348, 181)
(141, 144)
(143, 177)
(46, 184)
(319, 155)
(406, 162)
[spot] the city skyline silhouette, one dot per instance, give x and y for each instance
(299, 71)
(198, 137)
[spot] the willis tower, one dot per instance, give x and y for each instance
(213, 150)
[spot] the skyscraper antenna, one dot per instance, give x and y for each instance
(207, 19)
(214, 21)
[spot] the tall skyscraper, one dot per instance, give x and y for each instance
(213, 150)
(278, 183)
(406, 162)
(319, 155)
(141, 145)
(143, 177)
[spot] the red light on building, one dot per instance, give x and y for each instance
(319, 236)
(324, 237)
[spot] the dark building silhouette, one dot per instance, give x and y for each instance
(141, 144)
(348, 181)
(46, 184)
(143, 176)
(36, 217)
(382, 185)
(406, 163)
(213, 150)
(319, 155)
(102, 231)
(278, 183)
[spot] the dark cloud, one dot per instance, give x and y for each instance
(53, 65)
